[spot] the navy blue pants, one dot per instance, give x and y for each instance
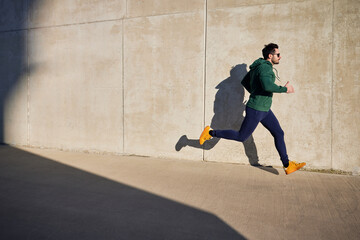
(252, 119)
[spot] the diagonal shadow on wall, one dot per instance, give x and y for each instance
(44, 199)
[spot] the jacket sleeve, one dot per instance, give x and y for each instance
(246, 82)
(267, 82)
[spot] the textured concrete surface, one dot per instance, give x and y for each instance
(62, 195)
(68, 12)
(140, 8)
(76, 87)
(346, 87)
(144, 77)
(163, 99)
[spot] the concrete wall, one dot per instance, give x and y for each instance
(144, 77)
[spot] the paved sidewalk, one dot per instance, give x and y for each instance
(48, 194)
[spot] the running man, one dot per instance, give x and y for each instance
(260, 83)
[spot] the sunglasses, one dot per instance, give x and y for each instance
(278, 54)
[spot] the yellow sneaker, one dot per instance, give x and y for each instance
(205, 135)
(293, 166)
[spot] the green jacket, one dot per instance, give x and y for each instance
(260, 83)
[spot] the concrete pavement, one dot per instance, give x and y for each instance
(50, 194)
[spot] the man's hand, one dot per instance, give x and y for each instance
(290, 88)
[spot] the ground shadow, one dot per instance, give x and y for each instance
(44, 199)
(229, 108)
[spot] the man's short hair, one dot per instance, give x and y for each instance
(269, 49)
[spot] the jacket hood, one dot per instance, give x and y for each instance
(258, 62)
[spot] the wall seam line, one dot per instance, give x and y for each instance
(123, 85)
(255, 5)
(164, 14)
(27, 32)
(332, 86)
(96, 21)
(204, 73)
(62, 25)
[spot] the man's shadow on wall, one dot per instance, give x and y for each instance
(229, 108)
